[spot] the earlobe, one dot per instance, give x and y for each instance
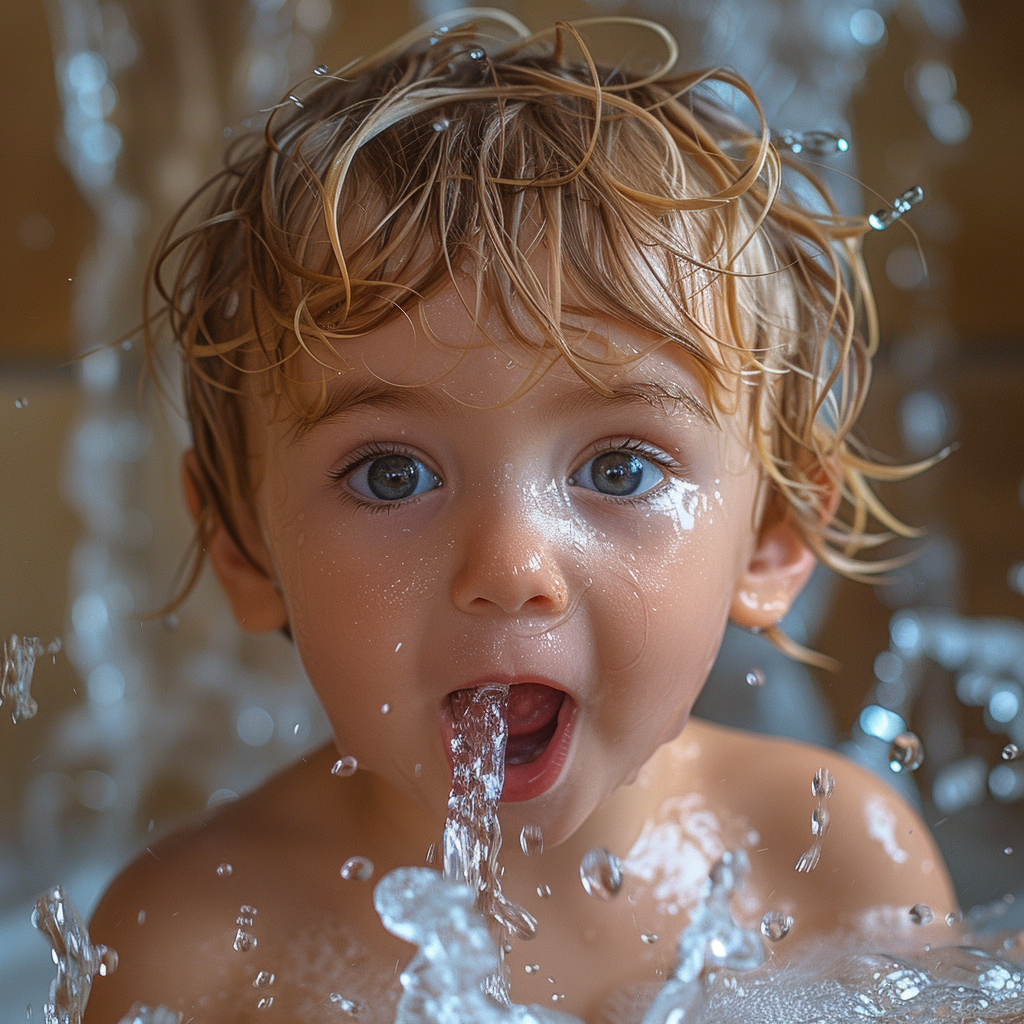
(776, 572)
(251, 590)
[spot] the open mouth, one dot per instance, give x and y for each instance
(540, 720)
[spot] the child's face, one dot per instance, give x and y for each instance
(594, 546)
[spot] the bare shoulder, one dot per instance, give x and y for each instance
(198, 915)
(875, 852)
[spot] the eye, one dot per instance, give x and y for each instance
(392, 478)
(619, 473)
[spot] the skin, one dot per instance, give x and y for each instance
(512, 566)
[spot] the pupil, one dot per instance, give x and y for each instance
(393, 476)
(616, 473)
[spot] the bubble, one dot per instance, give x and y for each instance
(244, 941)
(823, 784)
(359, 869)
(648, 938)
(921, 913)
(224, 870)
(531, 839)
(601, 874)
(543, 891)
(755, 677)
(265, 1003)
(345, 766)
(906, 753)
(263, 980)
(775, 925)
(320, 69)
(819, 821)
(350, 1006)
(385, 708)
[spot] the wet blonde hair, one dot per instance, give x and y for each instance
(474, 148)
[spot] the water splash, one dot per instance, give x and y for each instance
(902, 204)
(20, 654)
(822, 787)
(78, 960)
(711, 941)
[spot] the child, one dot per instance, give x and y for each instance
(505, 367)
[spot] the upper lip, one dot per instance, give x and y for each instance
(501, 679)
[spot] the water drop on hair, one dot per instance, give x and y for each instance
(601, 874)
(1011, 752)
(921, 913)
(345, 766)
(906, 753)
(755, 677)
(477, 53)
(823, 784)
(775, 925)
(358, 869)
(320, 69)
(224, 870)
(297, 101)
(441, 123)
(531, 839)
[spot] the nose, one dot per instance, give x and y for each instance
(509, 564)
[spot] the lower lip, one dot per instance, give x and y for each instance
(526, 781)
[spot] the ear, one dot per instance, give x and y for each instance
(251, 590)
(778, 568)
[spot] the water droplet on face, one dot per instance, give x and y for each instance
(20, 403)
(531, 968)
(320, 69)
(142, 917)
(244, 941)
(350, 1006)
(823, 784)
(224, 870)
(648, 938)
(531, 839)
(265, 1003)
(954, 917)
(358, 869)
(263, 980)
(906, 753)
(385, 708)
(543, 891)
(1008, 850)
(775, 925)
(345, 766)
(755, 677)
(1011, 752)
(601, 874)
(417, 770)
(819, 821)
(921, 913)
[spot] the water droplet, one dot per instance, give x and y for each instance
(823, 784)
(477, 54)
(819, 821)
(320, 69)
(648, 938)
(359, 869)
(350, 1006)
(881, 219)
(246, 909)
(345, 766)
(906, 753)
(1011, 752)
(809, 859)
(265, 1003)
(142, 917)
(417, 770)
(441, 123)
(245, 922)
(224, 870)
(263, 980)
(170, 623)
(531, 968)
(385, 708)
(297, 101)
(954, 917)
(531, 839)
(755, 677)
(1007, 850)
(20, 403)
(108, 960)
(244, 941)
(431, 853)
(775, 925)
(921, 913)
(543, 891)
(601, 874)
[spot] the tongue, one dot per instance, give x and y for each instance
(531, 706)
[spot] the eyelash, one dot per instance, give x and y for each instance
(376, 450)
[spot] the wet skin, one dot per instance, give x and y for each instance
(508, 559)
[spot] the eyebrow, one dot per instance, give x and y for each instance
(350, 395)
